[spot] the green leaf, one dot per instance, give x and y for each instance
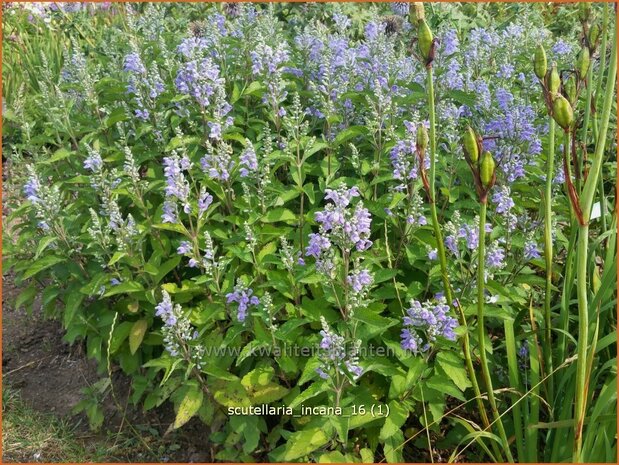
(254, 88)
(42, 264)
(230, 394)
(182, 141)
(179, 228)
(374, 319)
(166, 267)
(137, 335)
(26, 296)
(189, 406)
(58, 155)
(315, 389)
(453, 367)
(117, 256)
(443, 385)
(279, 214)
(304, 442)
(393, 448)
(121, 333)
(127, 287)
(73, 302)
(43, 244)
(349, 133)
(398, 414)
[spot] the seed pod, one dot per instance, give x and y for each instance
(422, 137)
(488, 166)
(540, 65)
(562, 112)
(553, 81)
(594, 34)
(425, 39)
(584, 60)
(469, 142)
(570, 89)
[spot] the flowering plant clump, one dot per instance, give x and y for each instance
(403, 214)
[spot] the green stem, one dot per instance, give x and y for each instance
(585, 127)
(548, 256)
(481, 330)
(466, 345)
(586, 203)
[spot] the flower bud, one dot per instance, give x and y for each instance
(540, 65)
(584, 60)
(420, 14)
(570, 89)
(594, 34)
(488, 166)
(425, 39)
(422, 137)
(584, 10)
(562, 112)
(553, 81)
(469, 141)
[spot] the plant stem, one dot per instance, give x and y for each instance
(598, 90)
(481, 330)
(582, 258)
(466, 346)
(548, 256)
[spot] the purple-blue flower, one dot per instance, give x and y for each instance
(242, 295)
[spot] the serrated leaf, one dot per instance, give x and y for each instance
(279, 214)
(315, 389)
(398, 414)
(453, 367)
(189, 406)
(304, 442)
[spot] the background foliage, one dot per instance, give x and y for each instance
(175, 170)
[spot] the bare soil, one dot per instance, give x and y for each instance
(50, 375)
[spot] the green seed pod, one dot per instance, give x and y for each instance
(425, 39)
(570, 89)
(540, 65)
(487, 169)
(553, 81)
(584, 60)
(594, 34)
(562, 112)
(469, 142)
(422, 137)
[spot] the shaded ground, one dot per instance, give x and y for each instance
(48, 376)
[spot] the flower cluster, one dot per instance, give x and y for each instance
(177, 187)
(458, 232)
(144, 84)
(336, 356)
(432, 320)
(179, 336)
(243, 296)
(45, 199)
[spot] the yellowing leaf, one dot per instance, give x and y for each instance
(189, 406)
(137, 334)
